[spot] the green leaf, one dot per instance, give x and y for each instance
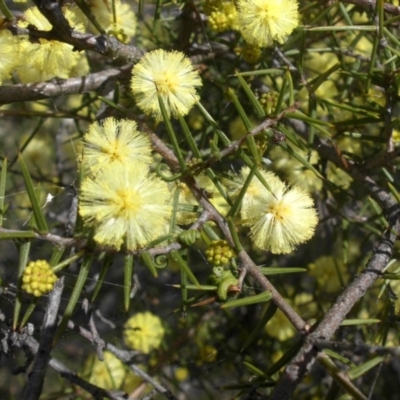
(148, 261)
(253, 99)
(41, 223)
(76, 292)
(107, 262)
(258, 298)
(176, 256)
(280, 270)
(171, 133)
(339, 357)
(17, 235)
(356, 372)
(351, 322)
(269, 313)
(24, 249)
(206, 288)
(128, 272)
(3, 180)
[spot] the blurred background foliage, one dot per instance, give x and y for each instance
(343, 77)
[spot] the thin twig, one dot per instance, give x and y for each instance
(49, 326)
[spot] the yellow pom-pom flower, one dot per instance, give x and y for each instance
(8, 43)
(115, 142)
(169, 74)
(123, 27)
(110, 374)
(47, 58)
(125, 202)
(143, 332)
(38, 278)
(280, 218)
(263, 21)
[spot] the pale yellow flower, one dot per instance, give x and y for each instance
(108, 374)
(125, 202)
(263, 21)
(143, 332)
(8, 43)
(170, 75)
(123, 27)
(47, 58)
(279, 219)
(115, 142)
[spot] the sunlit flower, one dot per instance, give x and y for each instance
(143, 332)
(125, 202)
(121, 25)
(279, 218)
(263, 21)
(47, 58)
(8, 43)
(115, 142)
(124, 25)
(38, 278)
(170, 75)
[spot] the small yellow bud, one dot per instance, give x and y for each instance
(38, 278)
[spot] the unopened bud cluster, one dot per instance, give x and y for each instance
(250, 53)
(269, 101)
(38, 278)
(219, 252)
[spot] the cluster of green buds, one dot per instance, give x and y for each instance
(219, 253)
(269, 101)
(38, 278)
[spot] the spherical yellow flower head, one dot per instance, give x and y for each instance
(8, 43)
(38, 278)
(108, 374)
(115, 142)
(125, 202)
(143, 332)
(46, 59)
(279, 219)
(124, 26)
(263, 21)
(219, 253)
(170, 75)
